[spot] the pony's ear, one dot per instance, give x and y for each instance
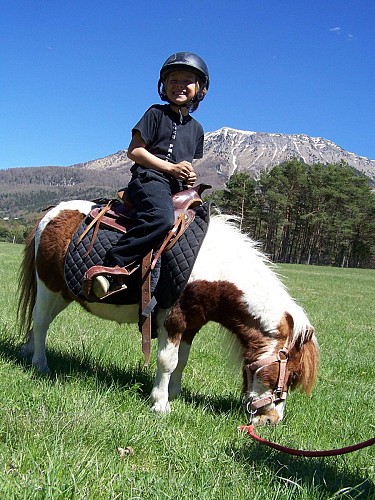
(303, 337)
(309, 332)
(290, 323)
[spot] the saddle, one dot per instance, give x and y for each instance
(117, 215)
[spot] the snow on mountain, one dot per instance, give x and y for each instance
(227, 151)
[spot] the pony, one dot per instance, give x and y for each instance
(232, 283)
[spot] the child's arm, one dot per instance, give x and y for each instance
(138, 153)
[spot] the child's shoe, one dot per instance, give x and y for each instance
(100, 286)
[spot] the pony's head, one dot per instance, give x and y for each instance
(291, 362)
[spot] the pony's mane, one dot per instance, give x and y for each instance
(240, 260)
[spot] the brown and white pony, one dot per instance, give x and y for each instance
(232, 283)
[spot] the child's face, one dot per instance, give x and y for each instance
(180, 87)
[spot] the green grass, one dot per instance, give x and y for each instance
(59, 436)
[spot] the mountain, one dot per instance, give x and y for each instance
(228, 151)
(28, 190)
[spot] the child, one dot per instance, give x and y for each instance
(164, 143)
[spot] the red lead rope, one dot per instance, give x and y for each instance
(306, 453)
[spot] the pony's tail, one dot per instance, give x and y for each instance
(27, 285)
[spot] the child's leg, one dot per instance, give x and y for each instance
(151, 192)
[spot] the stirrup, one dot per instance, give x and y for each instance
(100, 282)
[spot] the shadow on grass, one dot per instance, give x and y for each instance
(322, 475)
(217, 404)
(65, 364)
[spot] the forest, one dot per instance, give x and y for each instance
(309, 214)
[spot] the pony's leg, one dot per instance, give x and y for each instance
(167, 360)
(27, 348)
(174, 388)
(47, 306)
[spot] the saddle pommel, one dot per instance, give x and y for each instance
(189, 198)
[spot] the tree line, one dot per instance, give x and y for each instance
(309, 214)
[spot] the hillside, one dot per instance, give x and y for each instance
(26, 191)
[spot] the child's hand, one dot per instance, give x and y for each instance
(182, 171)
(191, 180)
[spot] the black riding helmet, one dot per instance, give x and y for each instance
(185, 61)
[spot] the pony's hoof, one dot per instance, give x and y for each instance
(41, 368)
(160, 408)
(45, 372)
(174, 394)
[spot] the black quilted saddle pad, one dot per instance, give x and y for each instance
(176, 263)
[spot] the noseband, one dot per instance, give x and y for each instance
(279, 392)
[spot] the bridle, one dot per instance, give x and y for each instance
(279, 392)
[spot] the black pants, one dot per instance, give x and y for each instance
(151, 192)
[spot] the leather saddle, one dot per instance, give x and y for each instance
(118, 215)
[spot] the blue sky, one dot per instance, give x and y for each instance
(75, 76)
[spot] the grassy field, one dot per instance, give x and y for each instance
(59, 436)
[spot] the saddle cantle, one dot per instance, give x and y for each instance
(105, 225)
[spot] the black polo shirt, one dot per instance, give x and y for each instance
(168, 138)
